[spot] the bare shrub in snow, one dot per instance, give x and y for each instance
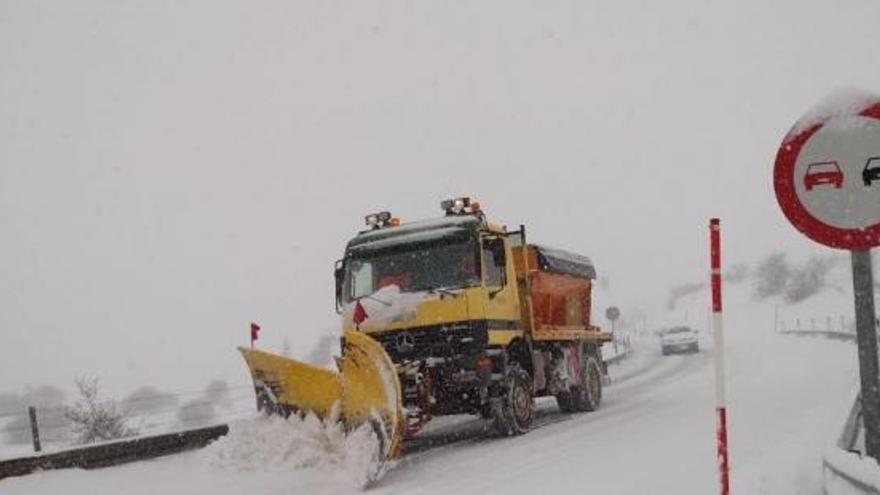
(95, 420)
(771, 276)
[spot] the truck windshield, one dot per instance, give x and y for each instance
(432, 266)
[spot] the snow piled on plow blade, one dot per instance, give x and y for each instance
(307, 444)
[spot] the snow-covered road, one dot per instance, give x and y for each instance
(622, 448)
(654, 433)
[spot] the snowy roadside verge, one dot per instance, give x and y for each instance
(844, 470)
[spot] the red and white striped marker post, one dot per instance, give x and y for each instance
(718, 335)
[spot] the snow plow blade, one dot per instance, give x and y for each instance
(366, 389)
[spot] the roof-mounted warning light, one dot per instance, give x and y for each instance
(460, 206)
(379, 220)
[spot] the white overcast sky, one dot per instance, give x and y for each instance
(172, 170)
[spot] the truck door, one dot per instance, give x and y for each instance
(501, 298)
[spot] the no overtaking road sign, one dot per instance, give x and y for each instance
(827, 181)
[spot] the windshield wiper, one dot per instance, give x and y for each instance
(443, 290)
(374, 298)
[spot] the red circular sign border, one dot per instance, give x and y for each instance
(803, 220)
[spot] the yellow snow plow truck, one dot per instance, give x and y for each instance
(454, 315)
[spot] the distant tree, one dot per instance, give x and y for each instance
(771, 276)
(285, 347)
(94, 420)
(148, 400)
(197, 412)
(217, 393)
(809, 279)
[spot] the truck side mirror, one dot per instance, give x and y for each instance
(338, 275)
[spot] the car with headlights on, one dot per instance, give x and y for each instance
(679, 339)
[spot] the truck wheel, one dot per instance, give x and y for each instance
(588, 395)
(514, 414)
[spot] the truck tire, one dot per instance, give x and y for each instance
(588, 395)
(516, 406)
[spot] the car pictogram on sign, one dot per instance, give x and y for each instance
(871, 171)
(821, 173)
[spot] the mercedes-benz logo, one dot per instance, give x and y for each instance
(405, 343)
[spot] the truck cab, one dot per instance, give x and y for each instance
(452, 301)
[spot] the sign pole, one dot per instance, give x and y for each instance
(718, 334)
(866, 335)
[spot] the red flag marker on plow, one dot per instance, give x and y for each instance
(359, 314)
(255, 333)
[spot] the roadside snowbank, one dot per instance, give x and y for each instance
(275, 444)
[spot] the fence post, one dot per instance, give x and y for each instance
(35, 430)
(776, 318)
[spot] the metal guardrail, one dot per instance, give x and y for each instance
(113, 453)
(844, 470)
(837, 480)
(618, 357)
(831, 334)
